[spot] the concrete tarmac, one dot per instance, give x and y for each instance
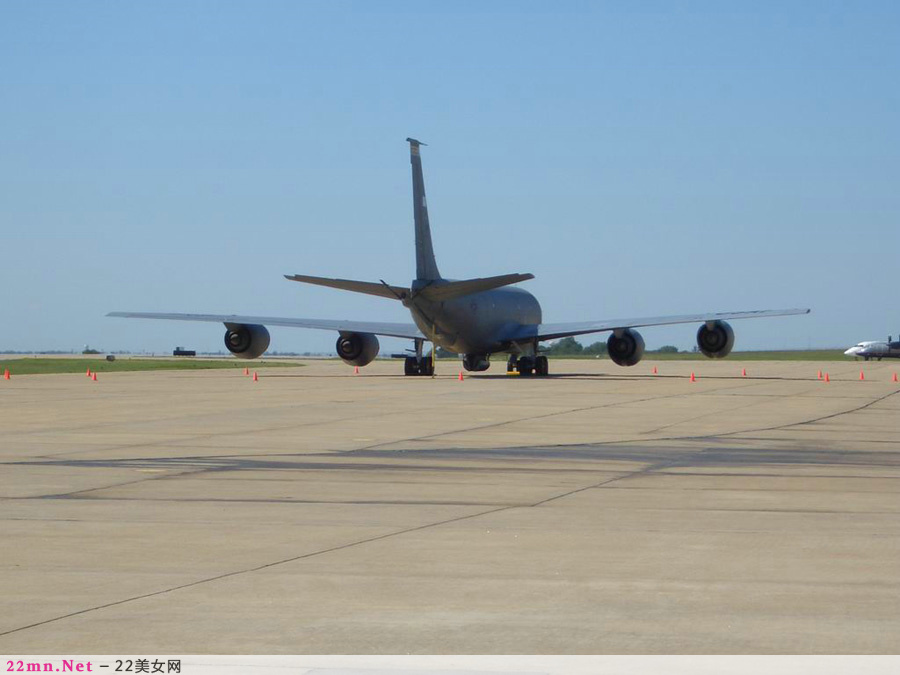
(599, 510)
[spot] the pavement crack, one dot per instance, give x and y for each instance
(494, 425)
(333, 549)
(257, 568)
(815, 419)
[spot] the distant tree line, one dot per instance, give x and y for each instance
(569, 346)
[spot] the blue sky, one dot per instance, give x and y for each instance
(638, 158)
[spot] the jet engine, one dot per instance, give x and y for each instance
(357, 349)
(246, 341)
(715, 339)
(476, 362)
(627, 348)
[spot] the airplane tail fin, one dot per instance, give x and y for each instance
(426, 267)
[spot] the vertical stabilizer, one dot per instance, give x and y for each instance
(426, 267)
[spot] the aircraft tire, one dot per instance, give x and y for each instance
(410, 366)
(525, 365)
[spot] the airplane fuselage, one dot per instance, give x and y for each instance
(475, 323)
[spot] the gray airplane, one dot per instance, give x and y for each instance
(473, 317)
(873, 349)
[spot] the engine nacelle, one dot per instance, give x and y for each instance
(246, 341)
(716, 341)
(626, 349)
(357, 349)
(476, 362)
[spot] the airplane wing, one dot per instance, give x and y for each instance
(400, 330)
(551, 331)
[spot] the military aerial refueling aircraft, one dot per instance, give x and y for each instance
(873, 349)
(473, 317)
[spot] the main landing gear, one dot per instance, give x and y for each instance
(419, 364)
(413, 365)
(528, 365)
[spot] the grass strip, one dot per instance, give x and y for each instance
(44, 366)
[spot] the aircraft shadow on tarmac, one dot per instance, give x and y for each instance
(609, 377)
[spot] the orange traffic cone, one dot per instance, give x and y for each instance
(356, 370)
(88, 372)
(693, 377)
(246, 371)
(743, 372)
(654, 370)
(255, 377)
(6, 374)
(461, 378)
(94, 377)
(827, 379)
(894, 378)
(819, 376)
(862, 375)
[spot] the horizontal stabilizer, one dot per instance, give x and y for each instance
(381, 289)
(454, 289)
